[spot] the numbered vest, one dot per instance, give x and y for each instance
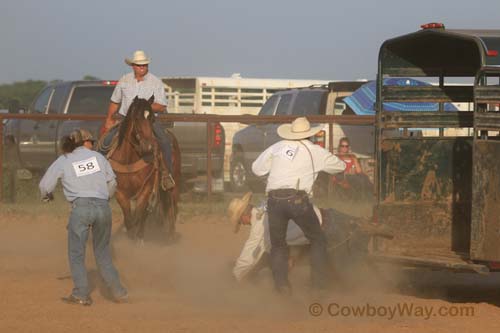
(86, 167)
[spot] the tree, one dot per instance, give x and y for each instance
(21, 93)
(91, 78)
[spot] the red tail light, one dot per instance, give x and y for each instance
(492, 53)
(218, 135)
(432, 26)
(494, 265)
(320, 139)
(109, 83)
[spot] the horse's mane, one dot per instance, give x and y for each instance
(135, 113)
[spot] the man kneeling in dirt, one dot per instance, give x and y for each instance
(347, 237)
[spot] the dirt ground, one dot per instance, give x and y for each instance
(187, 287)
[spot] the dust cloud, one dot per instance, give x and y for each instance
(188, 286)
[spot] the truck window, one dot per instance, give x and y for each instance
(269, 107)
(284, 104)
(309, 103)
(42, 101)
(58, 98)
(90, 100)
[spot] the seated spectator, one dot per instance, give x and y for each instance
(351, 161)
(353, 182)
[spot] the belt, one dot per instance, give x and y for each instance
(84, 200)
(285, 193)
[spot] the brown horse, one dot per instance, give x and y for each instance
(137, 160)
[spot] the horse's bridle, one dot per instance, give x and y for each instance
(134, 139)
(137, 143)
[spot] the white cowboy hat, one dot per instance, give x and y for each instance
(139, 58)
(236, 208)
(298, 129)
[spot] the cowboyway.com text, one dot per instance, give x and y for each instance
(390, 311)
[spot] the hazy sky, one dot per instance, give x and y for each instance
(313, 39)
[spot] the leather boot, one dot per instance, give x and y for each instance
(167, 181)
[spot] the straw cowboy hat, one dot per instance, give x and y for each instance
(139, 58)
(298, 129)
(236, 208)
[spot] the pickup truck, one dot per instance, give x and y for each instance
(34, 144)
(249, 142)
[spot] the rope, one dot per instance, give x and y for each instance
(109, 149)
(342, 242)
(312, 164)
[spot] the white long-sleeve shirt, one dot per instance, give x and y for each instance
(259, 241)
(290, 165)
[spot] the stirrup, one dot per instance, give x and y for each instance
(167, 181)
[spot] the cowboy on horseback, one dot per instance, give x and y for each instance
(142, 84)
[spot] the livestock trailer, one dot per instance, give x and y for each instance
(439, 193)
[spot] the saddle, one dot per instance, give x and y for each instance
(107, 147)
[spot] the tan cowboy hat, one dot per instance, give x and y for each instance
(236, 208)
(139, 58)
(298, 129)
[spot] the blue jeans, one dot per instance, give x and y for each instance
(95, 214)
(164, 142)
(161, 136)
(296, 207)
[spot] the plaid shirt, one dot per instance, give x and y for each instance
(128, 88)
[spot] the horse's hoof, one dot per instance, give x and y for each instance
(131, 234)
(140, 242)
(173, 239)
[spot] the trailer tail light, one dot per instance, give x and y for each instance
(218, 135)
(109, 83)
(492, 53)
(319, 139)
(494, 265)
(432, 25)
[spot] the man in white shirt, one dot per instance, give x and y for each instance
(293, 165)
(142, 84)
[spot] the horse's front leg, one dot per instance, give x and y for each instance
(141, 210)
(125, 205)
(168, 214)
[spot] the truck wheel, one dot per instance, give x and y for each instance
(239, 175)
